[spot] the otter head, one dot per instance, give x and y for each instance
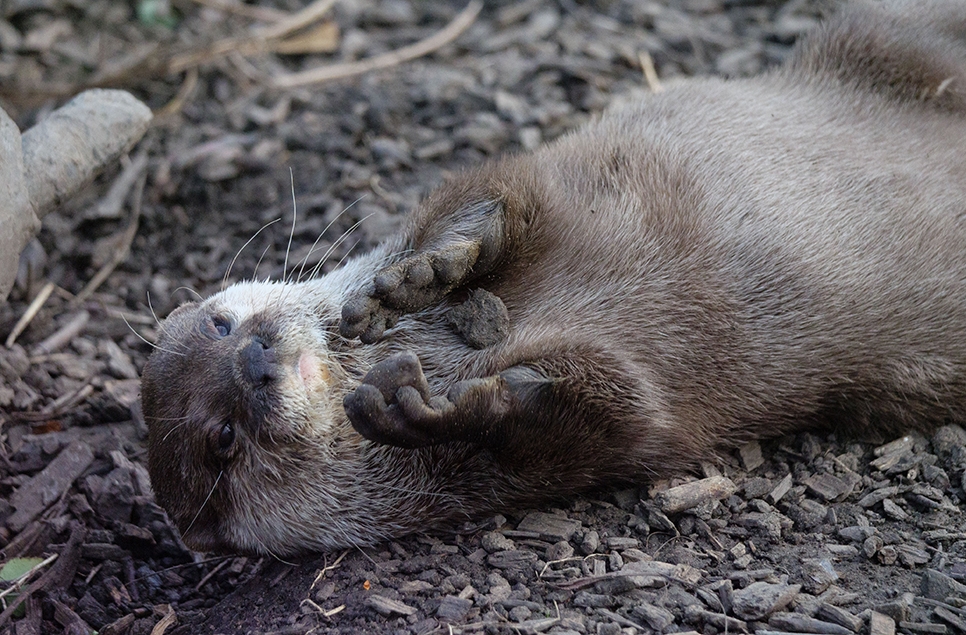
(243, 401)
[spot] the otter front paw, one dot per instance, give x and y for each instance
(393, 407)
(407, 286)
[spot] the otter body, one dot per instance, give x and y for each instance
(725, 261)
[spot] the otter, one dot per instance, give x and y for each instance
(724, 261)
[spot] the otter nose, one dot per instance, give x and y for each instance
(258, 362)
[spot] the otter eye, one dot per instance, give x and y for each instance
(226, 437)
(217, 327)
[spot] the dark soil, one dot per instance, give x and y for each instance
(853, 537)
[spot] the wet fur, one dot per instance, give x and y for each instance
(726, 261)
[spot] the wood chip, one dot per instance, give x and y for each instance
(780, 490)
(838, 615)
(880, 624)
(923, 627)
(760, 599)
(954, 620)
(877, 496)
(386, 606)
(690, 495)
(750, 455)
(453, 608)
(939, 586)
(42, 490)
(549, 527)
(798, 623)
(828, 486)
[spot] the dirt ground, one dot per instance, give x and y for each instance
(821, 535)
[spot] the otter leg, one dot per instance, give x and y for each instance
(447, 253)
(393, 405)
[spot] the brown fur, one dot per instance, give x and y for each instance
(726, 261)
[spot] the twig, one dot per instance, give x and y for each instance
(63, 335)
(27, 575)
(170, 618)
(67, 401)
(178, 102)
(221, 565)
(296, 21)
(393, 58)
(29, 314)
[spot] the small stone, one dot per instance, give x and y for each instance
(559, 551)
(760, 599)
(590, 543)
(817, 575)
(871, 546)
(494, 541)
(948, 439)
(888, 555)
(757, 487)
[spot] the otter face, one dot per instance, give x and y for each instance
(241, 390)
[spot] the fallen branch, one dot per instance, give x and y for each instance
(393, 58)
